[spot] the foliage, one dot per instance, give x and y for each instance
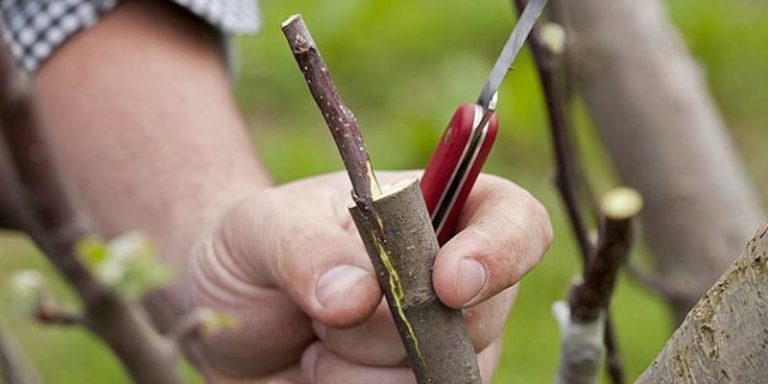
(127, 263)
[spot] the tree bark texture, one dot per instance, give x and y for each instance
(434, 335)
(650, 103)
(725, 336)
(339, 119)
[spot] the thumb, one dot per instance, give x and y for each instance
(304, 250)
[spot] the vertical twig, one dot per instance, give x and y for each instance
(583, 319)
(397, 233)
(591, 297)
(338, 117)
(566, 175)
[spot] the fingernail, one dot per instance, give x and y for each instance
(335, 282)
(308, 363)
(471, 279)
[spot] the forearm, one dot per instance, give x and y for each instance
(142, 112)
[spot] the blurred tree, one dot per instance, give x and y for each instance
(651, 106)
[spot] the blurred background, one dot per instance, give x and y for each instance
(403, 67)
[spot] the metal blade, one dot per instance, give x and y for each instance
(511, 49)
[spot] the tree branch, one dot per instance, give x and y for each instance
(14, 369)
(657, 284)
(584, 319)
(590, 298)
(49, 214)
(723, 338)
(566, 164)
(567, 170)
(397, 233)
(10, 199)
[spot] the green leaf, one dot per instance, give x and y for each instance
(127, 263)
(91, 251)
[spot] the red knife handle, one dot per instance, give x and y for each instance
(455, 165)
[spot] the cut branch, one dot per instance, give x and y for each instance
(397, 233)
(583, 319)
(338, 117)
(590, 298)
(568, 170)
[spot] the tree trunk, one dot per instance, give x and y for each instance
(651, 106)
(724, 338)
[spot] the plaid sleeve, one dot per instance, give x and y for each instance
(35, 28)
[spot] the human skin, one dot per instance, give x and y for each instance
(142, 113)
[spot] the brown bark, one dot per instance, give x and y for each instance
(338, 117)
(397, 233)
(568, 176)
(590, 298)
(49, 214)
(650, 104)
(435, 337)
(10, 200)
(588, 301)
(724, 337)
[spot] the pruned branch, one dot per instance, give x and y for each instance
(547, 57)
(398, 235)
(590, 298)
(584, 319)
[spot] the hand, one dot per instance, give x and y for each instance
(290, 263)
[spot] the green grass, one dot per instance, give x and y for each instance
(403, 66)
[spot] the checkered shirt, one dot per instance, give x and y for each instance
(33, 29)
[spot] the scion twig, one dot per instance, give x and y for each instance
(338, 117)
